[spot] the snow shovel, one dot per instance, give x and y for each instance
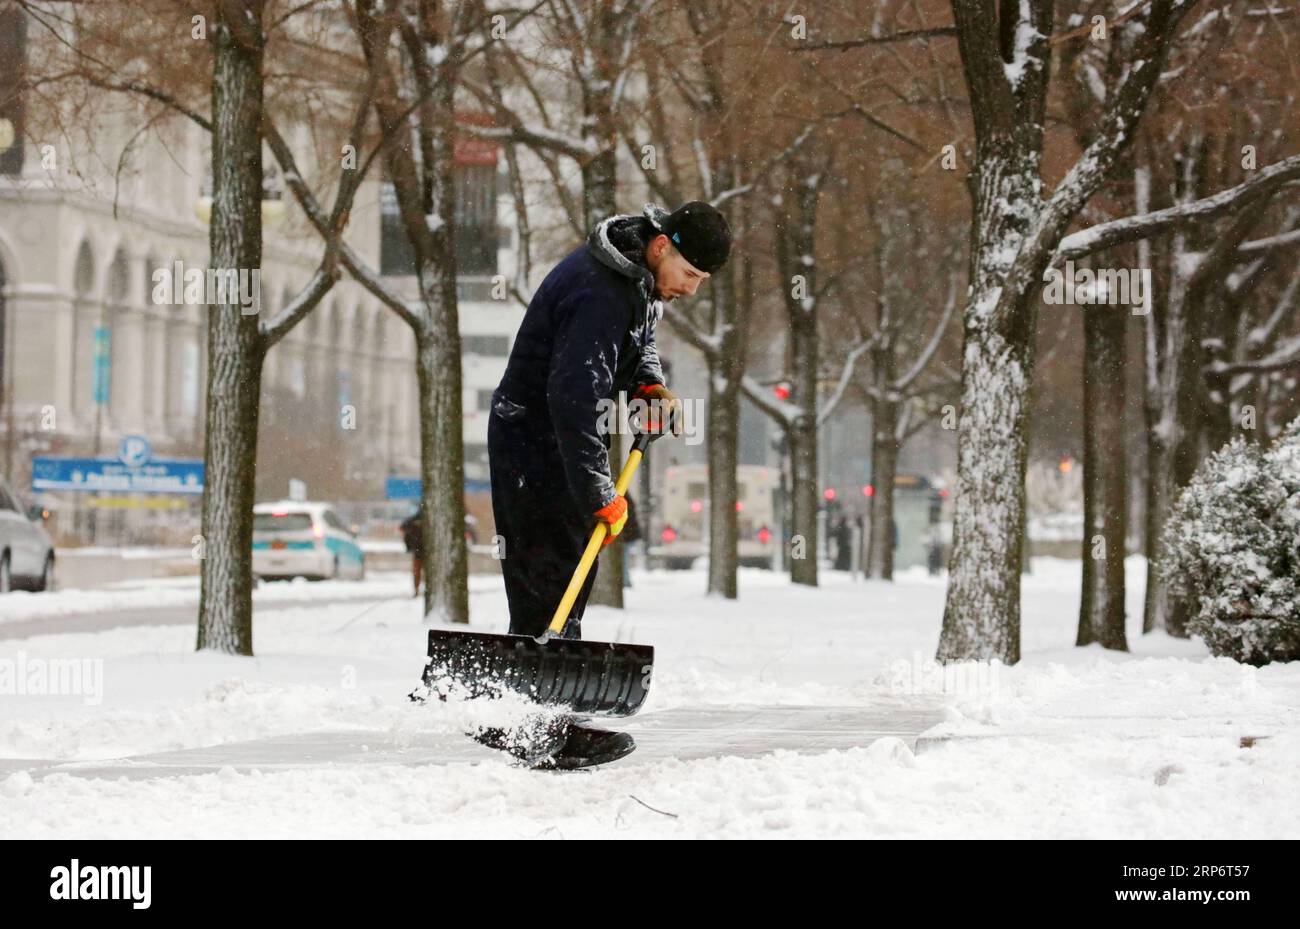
(590, 678)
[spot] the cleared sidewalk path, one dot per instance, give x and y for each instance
(683, 734)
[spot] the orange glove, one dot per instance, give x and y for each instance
(613, 514)
(663, 405)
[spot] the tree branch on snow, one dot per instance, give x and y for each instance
(1242, 282)
(846, 376)
(1286, 355)
(784, 412)
(1116, 128)
(1131, 228)
(275, 329)
(516, 131)
(907, 35)
(1270, 243)
(923, 359)
(365, 275)
(1262, 335)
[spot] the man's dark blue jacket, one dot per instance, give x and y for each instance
(588, 333)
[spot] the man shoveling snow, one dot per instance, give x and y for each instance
(588, 335)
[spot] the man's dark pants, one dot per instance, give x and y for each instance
(543, 529)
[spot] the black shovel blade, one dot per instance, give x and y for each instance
(593, 678)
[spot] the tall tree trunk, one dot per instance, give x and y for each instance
(438, 366)
(1187, 452)
(803, 499)
(1176, 398)
(981, 618)
(1105, 477)
(1155, 604)
(982, 613)
(803, 444)
(235, 348)
(1168, 381)
(725, 370)
(446, 567)
(884, 467)
(893, 214)
(795, 223)
(419, 154)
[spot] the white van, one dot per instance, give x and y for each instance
(685, 511)
(292, 539)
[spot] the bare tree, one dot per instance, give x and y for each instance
(1189, 267)
(414, 53)
(911, 325)
(237, 341)
(706, 139)
(597, 40)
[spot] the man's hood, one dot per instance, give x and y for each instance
(619, 243)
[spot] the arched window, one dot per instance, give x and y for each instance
(85, 321)
(119, 288)
(380, 343)
(155, 351)
(83, 279)
(150, 265)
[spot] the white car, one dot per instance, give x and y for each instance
(308, 540)
(26, 552)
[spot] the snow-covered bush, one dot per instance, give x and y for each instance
(1232, 548)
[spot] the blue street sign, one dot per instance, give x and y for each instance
(402, 488)
(103, 364)
(106, 474)
(408, 488)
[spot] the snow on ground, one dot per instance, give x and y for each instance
(147, 593)
(1071, 742)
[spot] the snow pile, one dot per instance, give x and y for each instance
(995, 788)
(1163, 742)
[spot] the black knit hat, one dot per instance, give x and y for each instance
(700, 233)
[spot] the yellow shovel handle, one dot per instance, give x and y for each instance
(594, 543)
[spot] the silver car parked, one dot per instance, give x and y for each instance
(26, 552)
